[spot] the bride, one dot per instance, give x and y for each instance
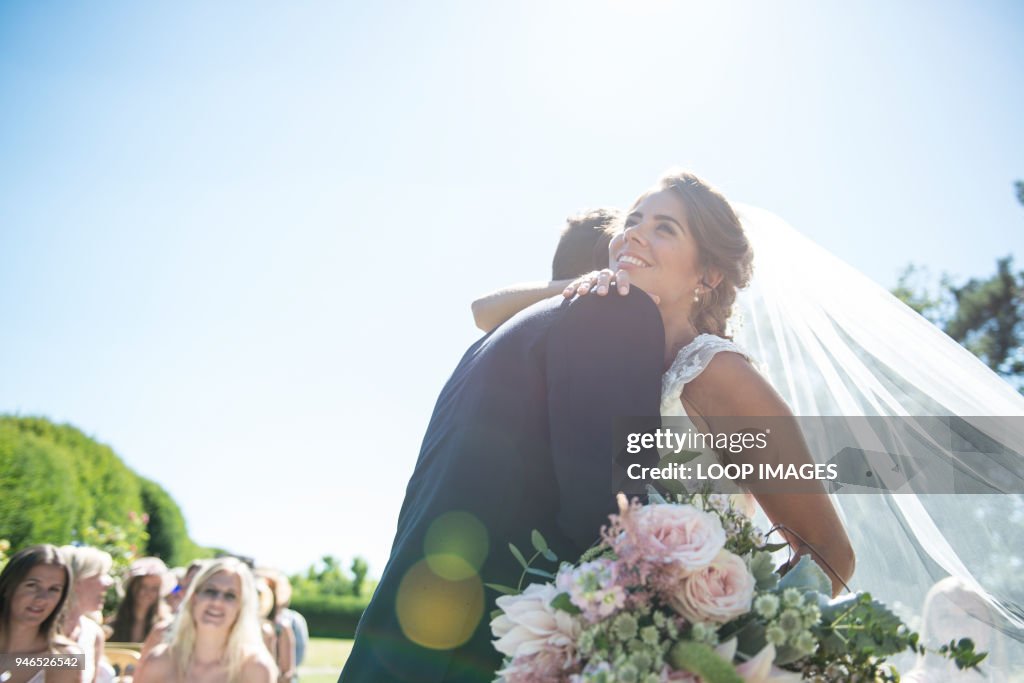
(828, 342)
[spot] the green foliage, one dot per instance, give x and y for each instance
(985, 315)
(358, 569)
(168, 537)
(331, 616)
(43, 497)
(700, 659)
(327, 579)
(327, 597)
(60, 485)
(124, 543)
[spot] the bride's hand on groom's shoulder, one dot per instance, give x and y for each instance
(600, 282)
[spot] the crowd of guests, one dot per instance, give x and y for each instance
(215, 620)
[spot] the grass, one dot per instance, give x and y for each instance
(324, 659)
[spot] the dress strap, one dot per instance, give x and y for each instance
(691, 361)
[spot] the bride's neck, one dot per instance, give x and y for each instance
(679, 332)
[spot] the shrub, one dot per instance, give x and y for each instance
(331, 616)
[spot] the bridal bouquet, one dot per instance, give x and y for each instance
(687, 591)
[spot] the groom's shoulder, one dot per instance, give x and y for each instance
(635, 309)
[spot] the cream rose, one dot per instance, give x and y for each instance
(719, 592)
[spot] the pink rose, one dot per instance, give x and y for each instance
(677, 534)
(719, 592)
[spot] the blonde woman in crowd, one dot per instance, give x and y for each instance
(216, 637)
(90, 571)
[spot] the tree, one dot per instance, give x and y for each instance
(359, 569)
(985, 315)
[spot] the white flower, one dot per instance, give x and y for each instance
(530, 625)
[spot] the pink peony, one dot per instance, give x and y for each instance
(680, 535)
(530, 626)
(719, 592)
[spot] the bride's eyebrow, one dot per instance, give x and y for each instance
(662, 217)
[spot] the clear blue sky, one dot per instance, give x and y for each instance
(239, 240)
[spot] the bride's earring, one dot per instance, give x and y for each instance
(696, 295)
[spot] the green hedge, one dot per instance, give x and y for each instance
(56, 481)
(331, 616)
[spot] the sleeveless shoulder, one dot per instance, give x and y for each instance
(691, 360)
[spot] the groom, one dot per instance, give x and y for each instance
(520, 439)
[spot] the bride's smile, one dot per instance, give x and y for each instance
(657, 249)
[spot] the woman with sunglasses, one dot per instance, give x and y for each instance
(216, 637)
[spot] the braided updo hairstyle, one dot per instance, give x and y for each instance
(723, 247)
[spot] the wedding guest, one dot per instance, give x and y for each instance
(173, 599)
(582, 248)
(142, 606)
(277, 634)
(161, 629)
(90, 571)
(33, 593)
(216, 637)
(282, 588)
(953, 610)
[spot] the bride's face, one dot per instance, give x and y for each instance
(658, 249)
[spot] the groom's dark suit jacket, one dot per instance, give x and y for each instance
(520, 439)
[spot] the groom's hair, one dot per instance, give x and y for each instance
(583, 246)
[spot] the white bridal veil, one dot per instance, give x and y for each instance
(834, 343)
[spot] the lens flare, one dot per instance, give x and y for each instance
(456, 545)
(436, 612)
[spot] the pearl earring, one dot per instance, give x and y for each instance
(696, 295)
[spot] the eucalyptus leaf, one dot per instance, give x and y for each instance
(504, 590)
(751, 639)
(806, 577)
(518, 555)
(539, 544)
(541, 573)
(763, 568)
(700, 659)
(564, 603)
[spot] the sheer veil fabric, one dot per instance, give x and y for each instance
(834, 343)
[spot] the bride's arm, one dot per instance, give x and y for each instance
(731, 387)
(493, 309)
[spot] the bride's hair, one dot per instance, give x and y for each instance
(723, 245)
(245, 638)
